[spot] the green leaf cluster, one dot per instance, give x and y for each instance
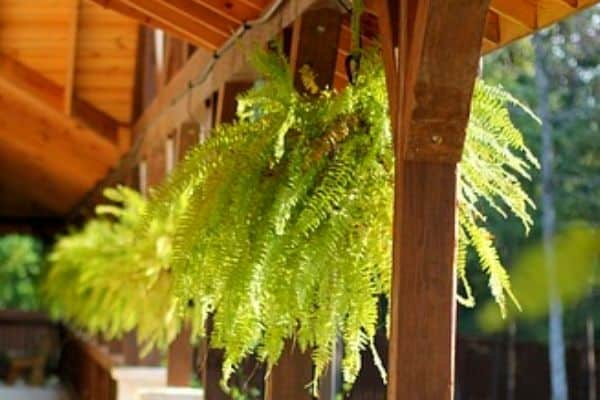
(21, 265)
(107, 279)
(279, 226)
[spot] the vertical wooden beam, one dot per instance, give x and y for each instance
(314, 43)
(290, 377)
(123, 139)
(130, 349)
(180, 361)
(226, 103)
(431, 53)
(187, 137)
(180, 357)
(156, 165)
(422, 345)
(175, 57)
(145, 86)
(211, 362)
(71, 58)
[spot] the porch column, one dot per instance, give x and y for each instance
(431, 51)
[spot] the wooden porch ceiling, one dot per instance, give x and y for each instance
(208, 23)
(66, 94)
(68, 73)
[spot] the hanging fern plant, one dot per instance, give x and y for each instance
(285, 233)
(280, 225)
(105, 280)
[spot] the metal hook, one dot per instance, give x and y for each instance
(352, 64)
(189, 104)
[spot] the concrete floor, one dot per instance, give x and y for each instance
(20, 391)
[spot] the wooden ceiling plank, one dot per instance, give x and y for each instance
(53, 96)
(259, 5)
(140, 15)
(570, 3)
(235, 11)
(69, 90)
(31, 81)
(492, 32)
(178, 20)
(31, 179)
(44, 131)
(95, 119)
(203, 15)
(522, 12)
(106, 46)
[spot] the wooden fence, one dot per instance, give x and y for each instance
(491, 369)
(486, 369)
(29, 337)
(86, 368)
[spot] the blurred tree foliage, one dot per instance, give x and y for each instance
(21, 263)
(572, 62)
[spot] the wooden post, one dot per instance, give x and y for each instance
(147, 174)
(180, 357)
(314, 43)
(129, 349)
(431, 50)
(180, 361)
(175, 56)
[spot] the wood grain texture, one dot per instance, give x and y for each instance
(290, 376)
(421, 355)
(430, 84)
(40, 144)
(71, 56)
(35, 85)
(227, 102)
(440, 78)
(156, 165)
(180, 361)
(106, 60)
(315, 38)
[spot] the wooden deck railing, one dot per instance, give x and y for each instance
(20, 331)
(30, 343)
(86, 368)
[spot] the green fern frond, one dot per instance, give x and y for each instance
(279, 226)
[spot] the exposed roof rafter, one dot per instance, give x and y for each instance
(521, 12)
(72, 58)
(571, 3)
(492, 31)
(48, 92)
(203, 15)
(168, 17)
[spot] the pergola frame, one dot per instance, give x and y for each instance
(431, 50)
